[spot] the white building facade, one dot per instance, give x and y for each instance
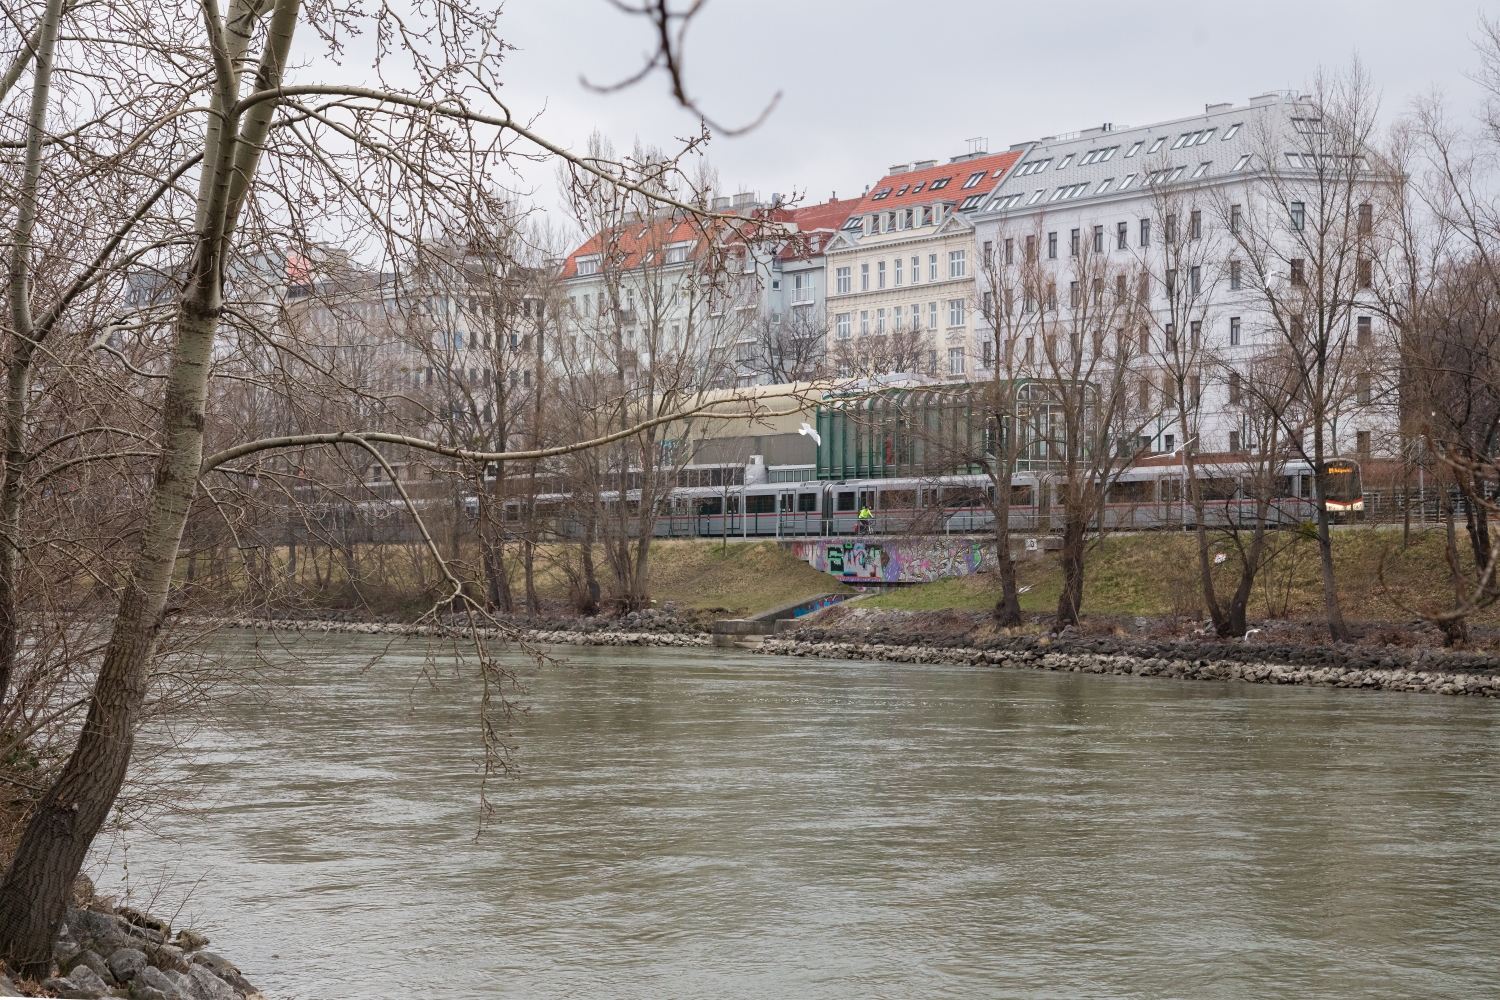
(1204, 210)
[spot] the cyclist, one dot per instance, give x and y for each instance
(866, 516)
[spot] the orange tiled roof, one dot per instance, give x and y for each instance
(916, 187)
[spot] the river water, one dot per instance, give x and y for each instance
(695, 824)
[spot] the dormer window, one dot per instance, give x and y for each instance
(588, 265)
(677, 254)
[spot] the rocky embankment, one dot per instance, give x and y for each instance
(108, 952)
(650, 627)
(958, 637)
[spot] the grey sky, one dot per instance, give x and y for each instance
(868, 84)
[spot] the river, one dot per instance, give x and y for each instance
(696, 824)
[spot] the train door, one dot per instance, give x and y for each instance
(786, 512)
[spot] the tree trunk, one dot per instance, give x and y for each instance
(63, 824)
(1070, 601)
(528, 562)
(1455, 632)
(1008, 607)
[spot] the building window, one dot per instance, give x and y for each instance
(955, 361)
(1362, 389)
(1234, 442)
(958, 263)
(1051, 246)
(864, 321)
(864, 277)
(1052, 296)
(1030, 355)
(932, 315)
(1145, 232)
(1122, 235)
(1236, 213)
(1365, 335)
(1030, 248)
(1098, 239)
(1010, 251)
(841, 326)
(1297, 214)
(916, 269)
(1365, 273)
(955, 312)
(1171, 281)
(897, 276)
(1297, 331)
(1194, 391)
(845, 285)
(1234, 388)
(1195, 280)
(1073, 297)
(880, 275)
(1169, 233)
(988, 304)
(1234, 331)
(1073, 243)
(932, 267)
(932, 362)
(880, 321)
(1171, 336)
(1195, 225)
(1362, 443)
(1366, 219)
(1121, 292)
(1297, 275)
(1234, 275)
(916, 317)
(1145, 340)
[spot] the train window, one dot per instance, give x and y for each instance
(965, 496)
(846, 500)
(1132, 491)
(1020, 496)
(898, 499)
(764, 503)
(807, 502)
(788, 502)
(710, 505)
(1219, 489)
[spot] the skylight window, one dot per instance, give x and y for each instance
(917, 189)
(1104, 185)
(1103, 157)
(1135, 148)
(1088, 157)
(1126, 182)
(1176, 173)
(974, 179)
(1058, 194)
(1036, 197)
(941, 182)
(1205, 136)
(1065, 161)
(1231, 130)
(881, 194)
(1185, 139)
(902, 190)
(1244, 161)
(1294, 160)
(1202, 169)
(1009, 201)
(1156, 145)
(858, 222)
(970, 202)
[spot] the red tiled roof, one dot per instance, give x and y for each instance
(824, 218)
(635, 241)
(914, 187)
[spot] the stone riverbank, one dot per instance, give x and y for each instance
(105, 951)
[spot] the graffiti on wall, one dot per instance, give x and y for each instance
(919, 560)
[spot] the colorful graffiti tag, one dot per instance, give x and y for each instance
(906, 561)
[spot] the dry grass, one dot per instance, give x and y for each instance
(1157, 575)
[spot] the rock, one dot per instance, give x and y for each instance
(207, 986)
(87, 983)
(191, 941)
(166, 957)
(153, 978)
(93, 960)
(8, 988)
(124, 963)
(226, 971)
(63, 951)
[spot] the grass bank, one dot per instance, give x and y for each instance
(1156, 575)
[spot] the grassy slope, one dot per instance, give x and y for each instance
(1156, 574)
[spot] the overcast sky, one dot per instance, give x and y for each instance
(869, 83)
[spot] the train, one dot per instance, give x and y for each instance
(1147, 496)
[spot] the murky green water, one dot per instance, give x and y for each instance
(697, 825)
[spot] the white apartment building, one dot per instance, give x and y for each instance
(1102, 191)
(903, 271)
